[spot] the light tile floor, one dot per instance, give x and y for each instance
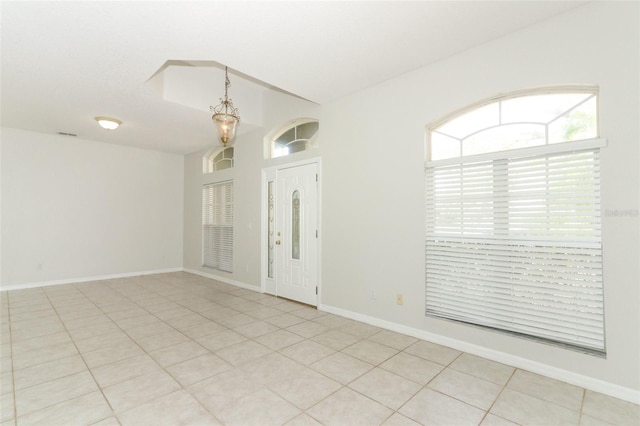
(177, 348)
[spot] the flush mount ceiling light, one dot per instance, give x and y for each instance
(108, 123)
(225, 116)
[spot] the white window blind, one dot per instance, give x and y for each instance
(515, 243)
(217, 226)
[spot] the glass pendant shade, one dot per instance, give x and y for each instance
(225, 116)
(226, 126)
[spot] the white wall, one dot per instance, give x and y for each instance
(74, 209)
(373, 192)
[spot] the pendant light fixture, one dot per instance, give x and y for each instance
(225, 116)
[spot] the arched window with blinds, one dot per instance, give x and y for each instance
(513, 227)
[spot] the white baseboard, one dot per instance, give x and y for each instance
(222, 279)
(24, 286)
(616, 391)
(86, 279)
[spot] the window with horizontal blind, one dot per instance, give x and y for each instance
(217, 226)
(513, 233)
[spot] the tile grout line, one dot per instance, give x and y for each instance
(379, 365)
(184, 388)
(346, 385)
(426, 386)
(188, 301)
(278, 352)
(373, 366)
(141, 348)
(506, 383)
(80, 353)
(116, 414)
(13, 375)
(581, 413)
(46, 381)
(13, 369)
(253, 339)
(302, 411)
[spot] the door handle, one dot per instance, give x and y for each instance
(278, 242)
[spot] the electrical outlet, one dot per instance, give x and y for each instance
(373, 294)
(399, 298)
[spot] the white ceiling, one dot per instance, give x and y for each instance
(63, 63)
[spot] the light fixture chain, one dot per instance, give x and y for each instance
(227, 83)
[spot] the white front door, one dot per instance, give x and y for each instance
(296, 233)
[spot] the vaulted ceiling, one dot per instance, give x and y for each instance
(158, 65)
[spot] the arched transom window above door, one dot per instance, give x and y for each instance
(298, 135)
(217, 159)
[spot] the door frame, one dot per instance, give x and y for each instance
(268, 285)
